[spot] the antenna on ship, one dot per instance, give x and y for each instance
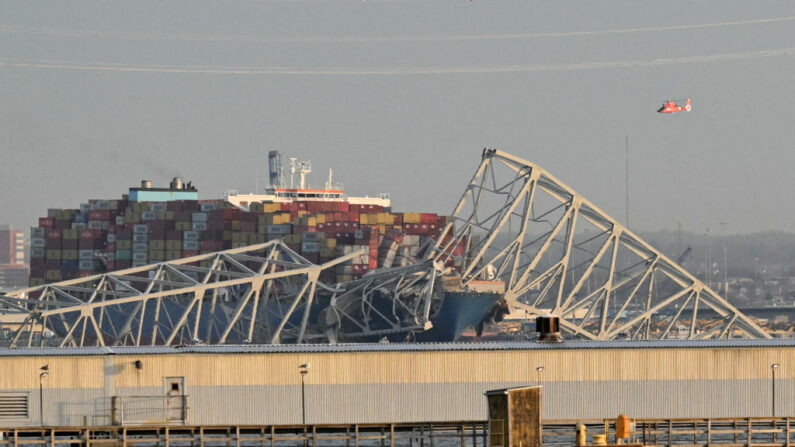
(302, 168)
(330, 176)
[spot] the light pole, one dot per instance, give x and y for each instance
(773, 368)
(304, 369)
(45, 371)
(539, 370)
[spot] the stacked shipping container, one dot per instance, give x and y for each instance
(105, 235)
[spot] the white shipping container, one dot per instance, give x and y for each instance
(139, 263)
(37, 242)
(140, 237)
(139, 256)
(37, 252)
(140, 228)
(148, 215)
(190, 245)
(101, 205)
(85, 254)
(78, 226)
(142, 247)
(97, 225)
(84, 207)
(199, 226)
(198, 217)
(190, 235)
(158, 207)
(111, 238)
(36, 232)
(310, 247)
(85, 264)
(119, 220)
(208, 206)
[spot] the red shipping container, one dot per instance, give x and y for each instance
(69, 244)
(99, 215)
(428, 218)
(89, 234)
(162, 225)
(249, 217)
(68, 274)
(373, 264)
(53, 234)
(84, 273)
(174, 235)
(189, 253)
(123, 263)
(124, 233)
(53, 264)
(111, 247)
(157, 233)
(46, 222)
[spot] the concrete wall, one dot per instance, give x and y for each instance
(265, 388)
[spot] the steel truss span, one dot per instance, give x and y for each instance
(560, 254)
(549, 248)
(264, 293)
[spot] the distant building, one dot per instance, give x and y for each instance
(12, 245)
(13, 270)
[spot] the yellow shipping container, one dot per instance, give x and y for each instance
(272, 207)
(53, 275)
(311, 221)
(70, 235)
(382, 229)
(413, 218)
(238, 244)
(182, 226)
(173, 254)
(35, 282)
(236, 225)
(157, 244)
(157, 255)
(53, 254)
(363, 219)
(228, 235)
(302, 213)
(123, 244)
(173, 245)
(69, 254)
(331, 243)
(321, 218)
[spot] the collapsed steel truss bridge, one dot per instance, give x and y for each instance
(552, 250)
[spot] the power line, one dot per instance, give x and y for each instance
(239, 38)
(394, 71)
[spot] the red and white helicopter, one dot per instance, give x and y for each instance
(671, 107)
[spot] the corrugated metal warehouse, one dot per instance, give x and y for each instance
(209, 385)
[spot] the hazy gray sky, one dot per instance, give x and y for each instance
(400, 96)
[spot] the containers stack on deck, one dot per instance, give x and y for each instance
(106, 235)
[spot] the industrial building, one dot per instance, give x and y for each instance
(375, 383)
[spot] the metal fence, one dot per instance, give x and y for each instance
(149, 410)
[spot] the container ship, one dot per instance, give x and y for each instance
(150, 225)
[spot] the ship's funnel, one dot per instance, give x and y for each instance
(146, 184)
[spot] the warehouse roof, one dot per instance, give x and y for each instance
(396, 347)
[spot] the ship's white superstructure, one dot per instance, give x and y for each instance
(281, 192)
